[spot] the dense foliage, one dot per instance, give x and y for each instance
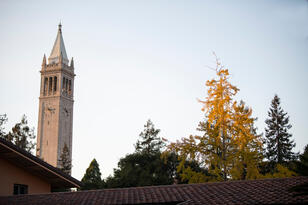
(143, 167)
(92, 177)
(278, 139)
(65, 160)
(302, 164)
(229, 147)
(21, 134)
(301, 167)
(3, 120)
(149, 142)
(146, 166)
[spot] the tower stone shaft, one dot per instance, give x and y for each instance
(55, 120)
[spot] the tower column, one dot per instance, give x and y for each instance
(55, 120)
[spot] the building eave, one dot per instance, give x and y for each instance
(36, 166)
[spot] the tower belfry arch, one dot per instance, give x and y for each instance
(55, 120)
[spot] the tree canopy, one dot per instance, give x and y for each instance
(149, 141)
(278, 139)
(92, 177)
(301, 167)
(65, 160)
(229, 147)
(3, 120)
(302, 164)
(21, 134)
(146, 166)
(143, 167)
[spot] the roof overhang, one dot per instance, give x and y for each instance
(36, 166)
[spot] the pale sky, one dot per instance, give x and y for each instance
(136, 60)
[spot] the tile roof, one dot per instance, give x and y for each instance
(265, 191)
(36, 166)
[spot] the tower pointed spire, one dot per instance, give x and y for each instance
(58, 48)
(72, 63)
(44, 61)
(55, 104)
(60, 27)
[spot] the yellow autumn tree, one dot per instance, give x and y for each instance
(248, 144)
(229, 147)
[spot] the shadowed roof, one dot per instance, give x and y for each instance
(265, 191)
(36, 166)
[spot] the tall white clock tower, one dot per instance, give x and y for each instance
(55, 120)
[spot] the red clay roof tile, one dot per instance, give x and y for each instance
(265, 191)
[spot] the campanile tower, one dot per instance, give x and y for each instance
(55, 120)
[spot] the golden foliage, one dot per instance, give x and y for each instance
(229, 147)
(280, 172)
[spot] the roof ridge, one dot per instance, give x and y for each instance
(38, 160)
(195, 184)
(233, 192)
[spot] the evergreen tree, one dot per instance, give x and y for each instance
(302, 169)
(92, 177)
(65, 161)
(302, 164)
(140, 169)
(21, 135)
(145, 166)
(278, 139)
(150, 143)
(3, 120)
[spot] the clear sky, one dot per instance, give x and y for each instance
(137, 60)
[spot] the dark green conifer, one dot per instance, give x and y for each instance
(278, 139)
(65, 161)
(3, 120)
(92, 178)
(149, 143)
